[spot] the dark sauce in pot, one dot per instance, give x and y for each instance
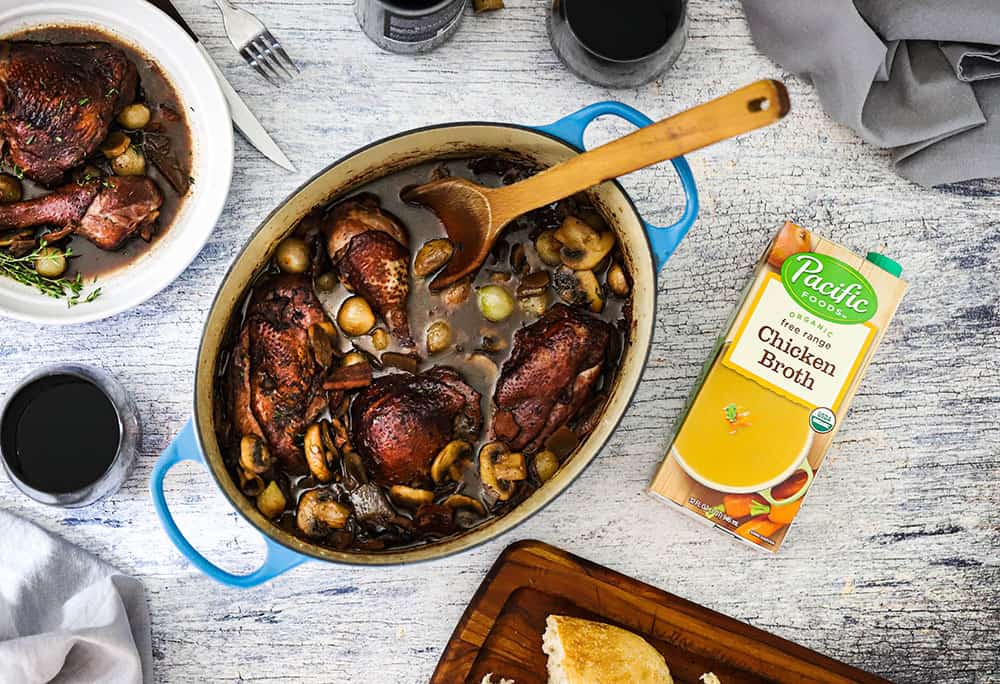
(60, 434)
(478, 349)
(168, 130)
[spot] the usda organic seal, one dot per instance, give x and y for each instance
(822, 420)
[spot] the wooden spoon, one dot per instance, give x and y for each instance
(474, 216)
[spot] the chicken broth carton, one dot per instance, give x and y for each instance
(778, 385)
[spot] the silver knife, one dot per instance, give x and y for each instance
(246, 123)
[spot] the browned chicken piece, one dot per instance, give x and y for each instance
(551, 372)
(57, 102)
(368, 247)
(401, 421)
(276, 384)
(107, 213)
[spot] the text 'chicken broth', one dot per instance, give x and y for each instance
(363, 411)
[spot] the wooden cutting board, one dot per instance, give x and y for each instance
(501, 630)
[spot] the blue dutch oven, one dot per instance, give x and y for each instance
(645, 247)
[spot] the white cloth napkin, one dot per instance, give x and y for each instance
(66, 616)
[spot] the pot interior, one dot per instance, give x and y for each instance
(338, 181)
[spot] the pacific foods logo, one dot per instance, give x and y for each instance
(829, 288)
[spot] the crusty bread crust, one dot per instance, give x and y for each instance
(586, 652)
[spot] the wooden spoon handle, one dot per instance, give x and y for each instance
(746, 109)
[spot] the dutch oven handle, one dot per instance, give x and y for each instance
(664, 239)
(185, 447)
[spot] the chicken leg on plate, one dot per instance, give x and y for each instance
(57, 102)
(106, 213)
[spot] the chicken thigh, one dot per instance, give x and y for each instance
(57, 102)
(401, 421)
(276, 382)
(553, 367)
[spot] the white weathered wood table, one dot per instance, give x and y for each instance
(894, 563)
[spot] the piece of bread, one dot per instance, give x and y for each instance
(586, 652)
(488, 679)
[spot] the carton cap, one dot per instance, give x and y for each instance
(891, 266)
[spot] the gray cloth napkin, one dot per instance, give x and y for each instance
(66, 616)
(921, 77)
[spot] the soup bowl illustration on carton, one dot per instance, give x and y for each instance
(741, 438)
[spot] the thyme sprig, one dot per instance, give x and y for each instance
(22, 270)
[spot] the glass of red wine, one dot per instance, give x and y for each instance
(69, 435)
(618, 43)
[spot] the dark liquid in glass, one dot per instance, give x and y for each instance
(623, 30)
(60, 434)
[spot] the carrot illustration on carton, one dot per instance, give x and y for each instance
(781, 376)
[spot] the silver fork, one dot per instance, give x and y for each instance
(259, 48)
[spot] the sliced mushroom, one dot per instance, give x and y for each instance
(271, 502)
(320, 513)
(251, 484)
(579, 288)
(432, 255)
(255, 457)
(462, 502)
(115, 145)
(488, 455)
(548, 246)
(321, 454)
(510, 466)
(582, 246)
(447, 457)
(410, 497)
(321, 342)
(533, 284)
(519, 260)
(618, 281)
(546, 464)
(404, 362)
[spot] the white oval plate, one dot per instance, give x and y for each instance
(138, 23)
